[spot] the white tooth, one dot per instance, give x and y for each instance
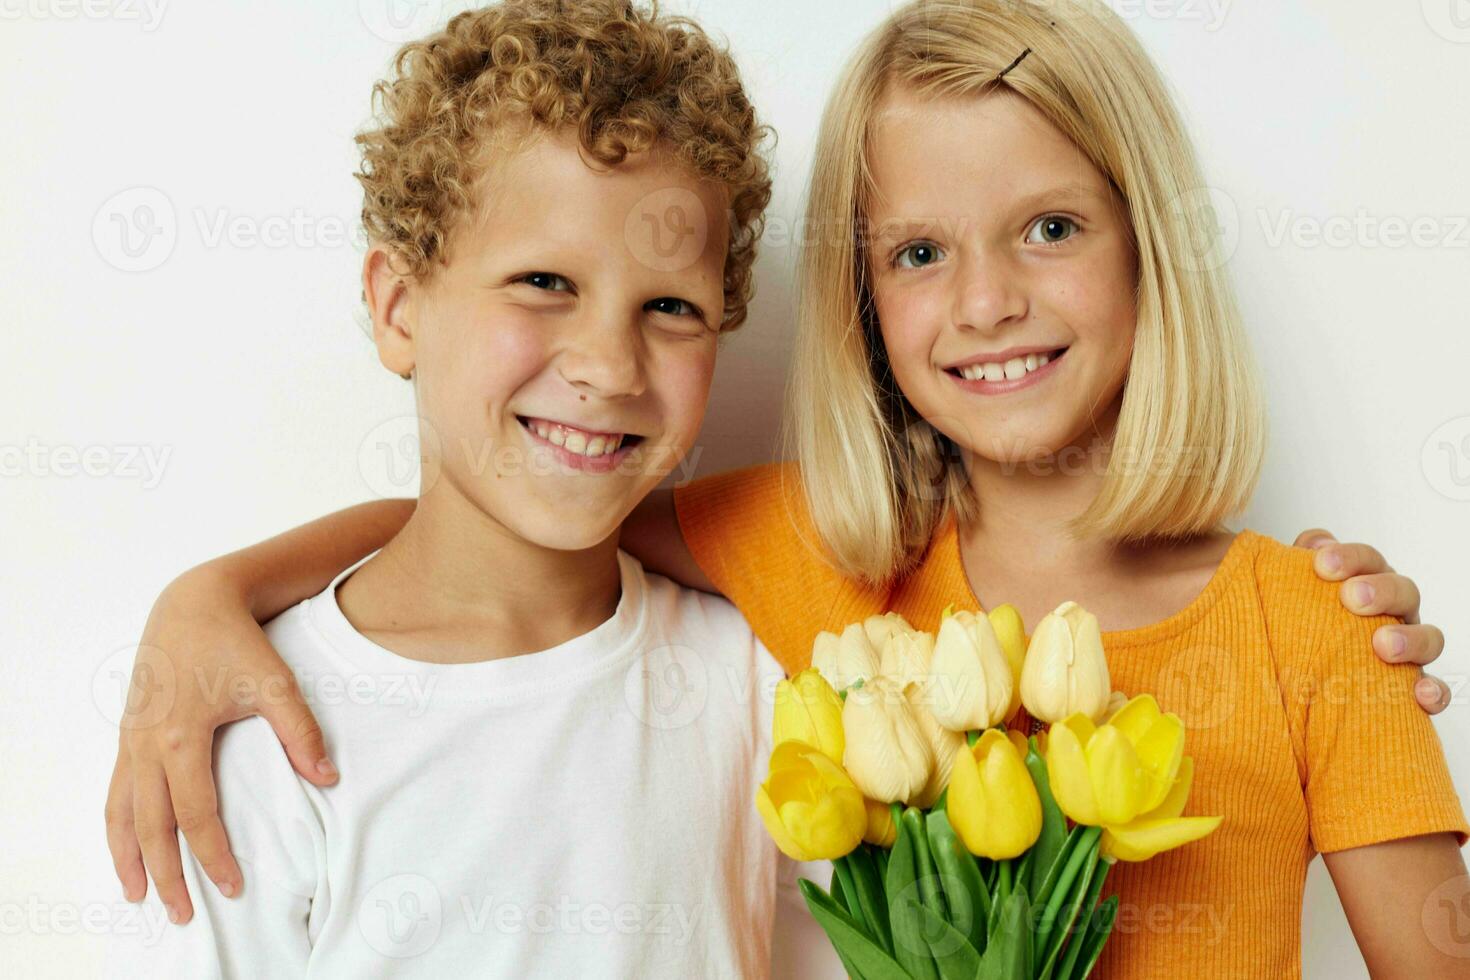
(539, 428)
(995, 372)
(612, 445)
(1015, 369)
(557, 436)
(975, 372)
(576, 442)
(1042, 359)
(594, 448)
(1031, 362)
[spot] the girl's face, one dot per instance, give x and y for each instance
(1003, 272)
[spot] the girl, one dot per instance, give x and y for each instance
(1014, 381)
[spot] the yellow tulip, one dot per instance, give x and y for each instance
(1160, 829)
(881, 828)
(1006, 621)
(905, 657)
(1065, 670)
(1128, 776)
(992, 801)
(808, 710)
(886, 755)
(810, 807)
(945, 743)
(879, 628)
(846, 659)
(969, 684)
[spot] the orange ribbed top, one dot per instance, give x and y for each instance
(1302, 739)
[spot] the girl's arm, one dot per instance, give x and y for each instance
(204, 662)
(1406, 902)
(203, 638)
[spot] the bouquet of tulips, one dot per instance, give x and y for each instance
(962, 850)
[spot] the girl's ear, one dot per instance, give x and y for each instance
(387, 296)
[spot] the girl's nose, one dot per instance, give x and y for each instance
(989, 293)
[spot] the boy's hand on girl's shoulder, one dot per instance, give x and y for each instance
(1370, 587)
(203, 662)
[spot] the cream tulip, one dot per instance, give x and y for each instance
(879, 628)
(846, 659)
(1065, 670)
(886, 753)
(905, 657)
(970, 682)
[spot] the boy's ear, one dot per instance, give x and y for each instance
(387, 296)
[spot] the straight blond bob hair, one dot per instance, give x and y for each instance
(878, 479)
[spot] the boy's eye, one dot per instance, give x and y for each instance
(549, 281)
(1053, 229)
(918, 255)
(672, 306)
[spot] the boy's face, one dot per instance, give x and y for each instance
(564, 354)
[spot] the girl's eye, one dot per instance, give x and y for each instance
(549, 281)
(1052, 229)
(918, 255)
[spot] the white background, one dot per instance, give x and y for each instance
(223, 389)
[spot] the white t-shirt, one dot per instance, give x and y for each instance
(582, 811)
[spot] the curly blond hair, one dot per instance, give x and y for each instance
(625, 77)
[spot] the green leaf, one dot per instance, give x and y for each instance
(842, 880)
(965, 892)
(1099, 927)
(953, 954)
(852, 944)
(1008, 956)
(1076, 941)
(909, 947)
(930, 891)
(1063, 927)
(1083, 854)
(863, 866)
(1059, 863)
(1048, 846)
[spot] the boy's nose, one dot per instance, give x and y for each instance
(607, 359)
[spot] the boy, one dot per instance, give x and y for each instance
(550, 753)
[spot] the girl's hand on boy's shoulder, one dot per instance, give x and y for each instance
(1370, 587)
(203, 662)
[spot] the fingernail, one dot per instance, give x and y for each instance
(227, 889)
(1363, 594)
(1331, 560)
(173, 915)
(1398, 645)
(1426, 688)
(324, 767)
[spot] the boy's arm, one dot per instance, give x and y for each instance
(204, 662)
(1406, 901)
